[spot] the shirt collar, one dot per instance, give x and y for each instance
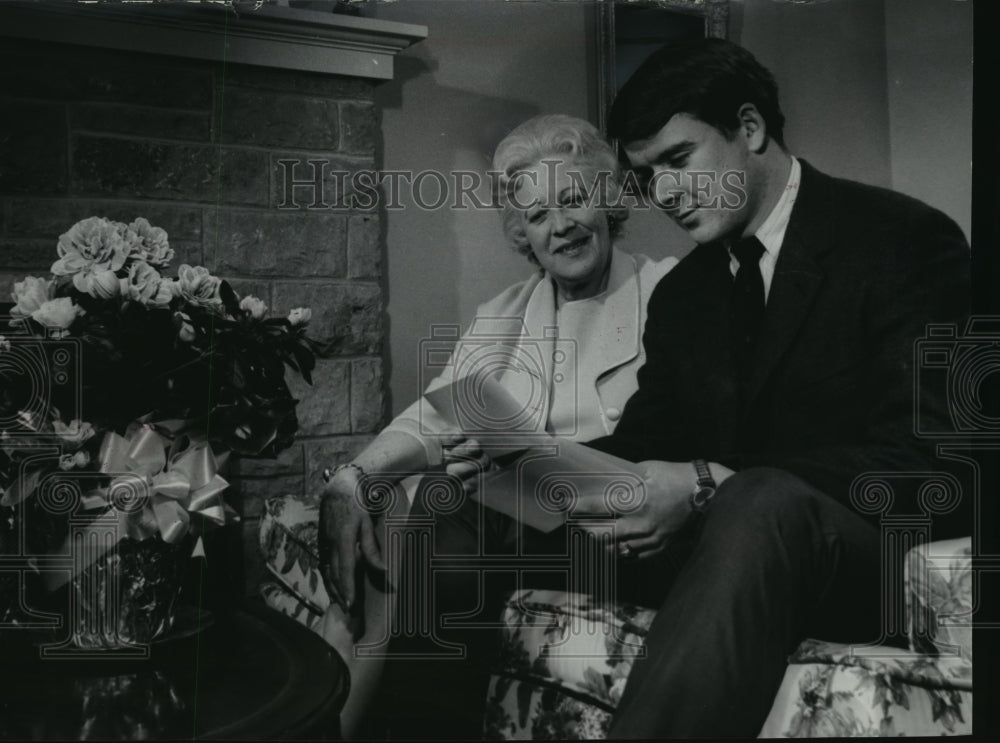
(772, 232)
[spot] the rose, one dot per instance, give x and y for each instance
(185, 329)
(76, 432)
(29, 295)
(197, 286)
(101, 283)
(148, 243)
(70, 461)
(255, 307)
(91, 244)
(300, 316)
(145, 285)
(58, 313)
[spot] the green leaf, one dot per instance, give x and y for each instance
(229, 299)
(523, 702)
(887, 728)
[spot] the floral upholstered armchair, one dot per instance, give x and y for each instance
(564, 660)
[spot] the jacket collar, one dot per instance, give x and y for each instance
(798, 274)
(617, 327)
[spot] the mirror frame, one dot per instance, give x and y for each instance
(715, 13)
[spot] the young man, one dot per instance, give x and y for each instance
(779, 369)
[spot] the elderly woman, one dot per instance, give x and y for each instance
(559, 186)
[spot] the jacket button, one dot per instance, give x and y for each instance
(613, 414)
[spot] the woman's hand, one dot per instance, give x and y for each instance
(344, 526)
(465, 459)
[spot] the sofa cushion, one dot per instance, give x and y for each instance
(288, 531)
(829, 692)
(278, 597)
(938, 580)
(562, 665)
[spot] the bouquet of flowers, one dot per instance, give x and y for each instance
(122, 389)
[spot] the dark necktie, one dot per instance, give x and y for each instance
(747, 304)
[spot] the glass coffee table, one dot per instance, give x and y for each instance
(250, 674)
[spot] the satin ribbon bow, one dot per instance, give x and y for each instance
(158, 483)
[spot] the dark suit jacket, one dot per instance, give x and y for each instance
(861, 272)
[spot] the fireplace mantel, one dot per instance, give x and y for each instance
(269, 36)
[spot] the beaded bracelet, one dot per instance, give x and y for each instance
(328, 474)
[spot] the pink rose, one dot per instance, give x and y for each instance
(90, 245)
(185, 329)
(100, 283)
(300, 316)
(29, 295)
(197, 286)
(149, 243)
(75, 432)
(255, 307)
(58, 313)
(145, 285)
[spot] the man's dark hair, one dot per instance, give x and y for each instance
(707, 78)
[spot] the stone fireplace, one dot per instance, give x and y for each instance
(196, 118)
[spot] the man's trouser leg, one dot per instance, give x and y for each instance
(774, 561)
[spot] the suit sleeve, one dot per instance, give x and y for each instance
(926, 280)
(645, 430)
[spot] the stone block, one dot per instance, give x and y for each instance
(116, 118)
(34, 257)
(289, 462)
(71, 73)
(347, 316)
(324, 407)
(268, 119)
(33, 155)
(267, 243)
(37, 255)
(158, 170)
(329, 452)
(53, 217)
(359, 128)
(364, 247)
(293, 81)
(252, 288)
(317, 181)
(8, 277)
(367, 396)
(255, 490)
(184, 252)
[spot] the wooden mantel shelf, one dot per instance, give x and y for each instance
(269, 36)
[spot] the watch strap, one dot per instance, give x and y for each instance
(705, 489)
(705, 479)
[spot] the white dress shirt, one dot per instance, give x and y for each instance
(771, 233)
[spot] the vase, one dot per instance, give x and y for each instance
(129, 595)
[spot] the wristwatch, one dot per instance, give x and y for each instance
(705, 489)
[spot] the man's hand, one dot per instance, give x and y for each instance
(465, 459)
(344, 527)
(664, 510)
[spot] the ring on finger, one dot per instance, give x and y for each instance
(625, 551)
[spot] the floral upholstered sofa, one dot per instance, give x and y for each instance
(564, 660)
